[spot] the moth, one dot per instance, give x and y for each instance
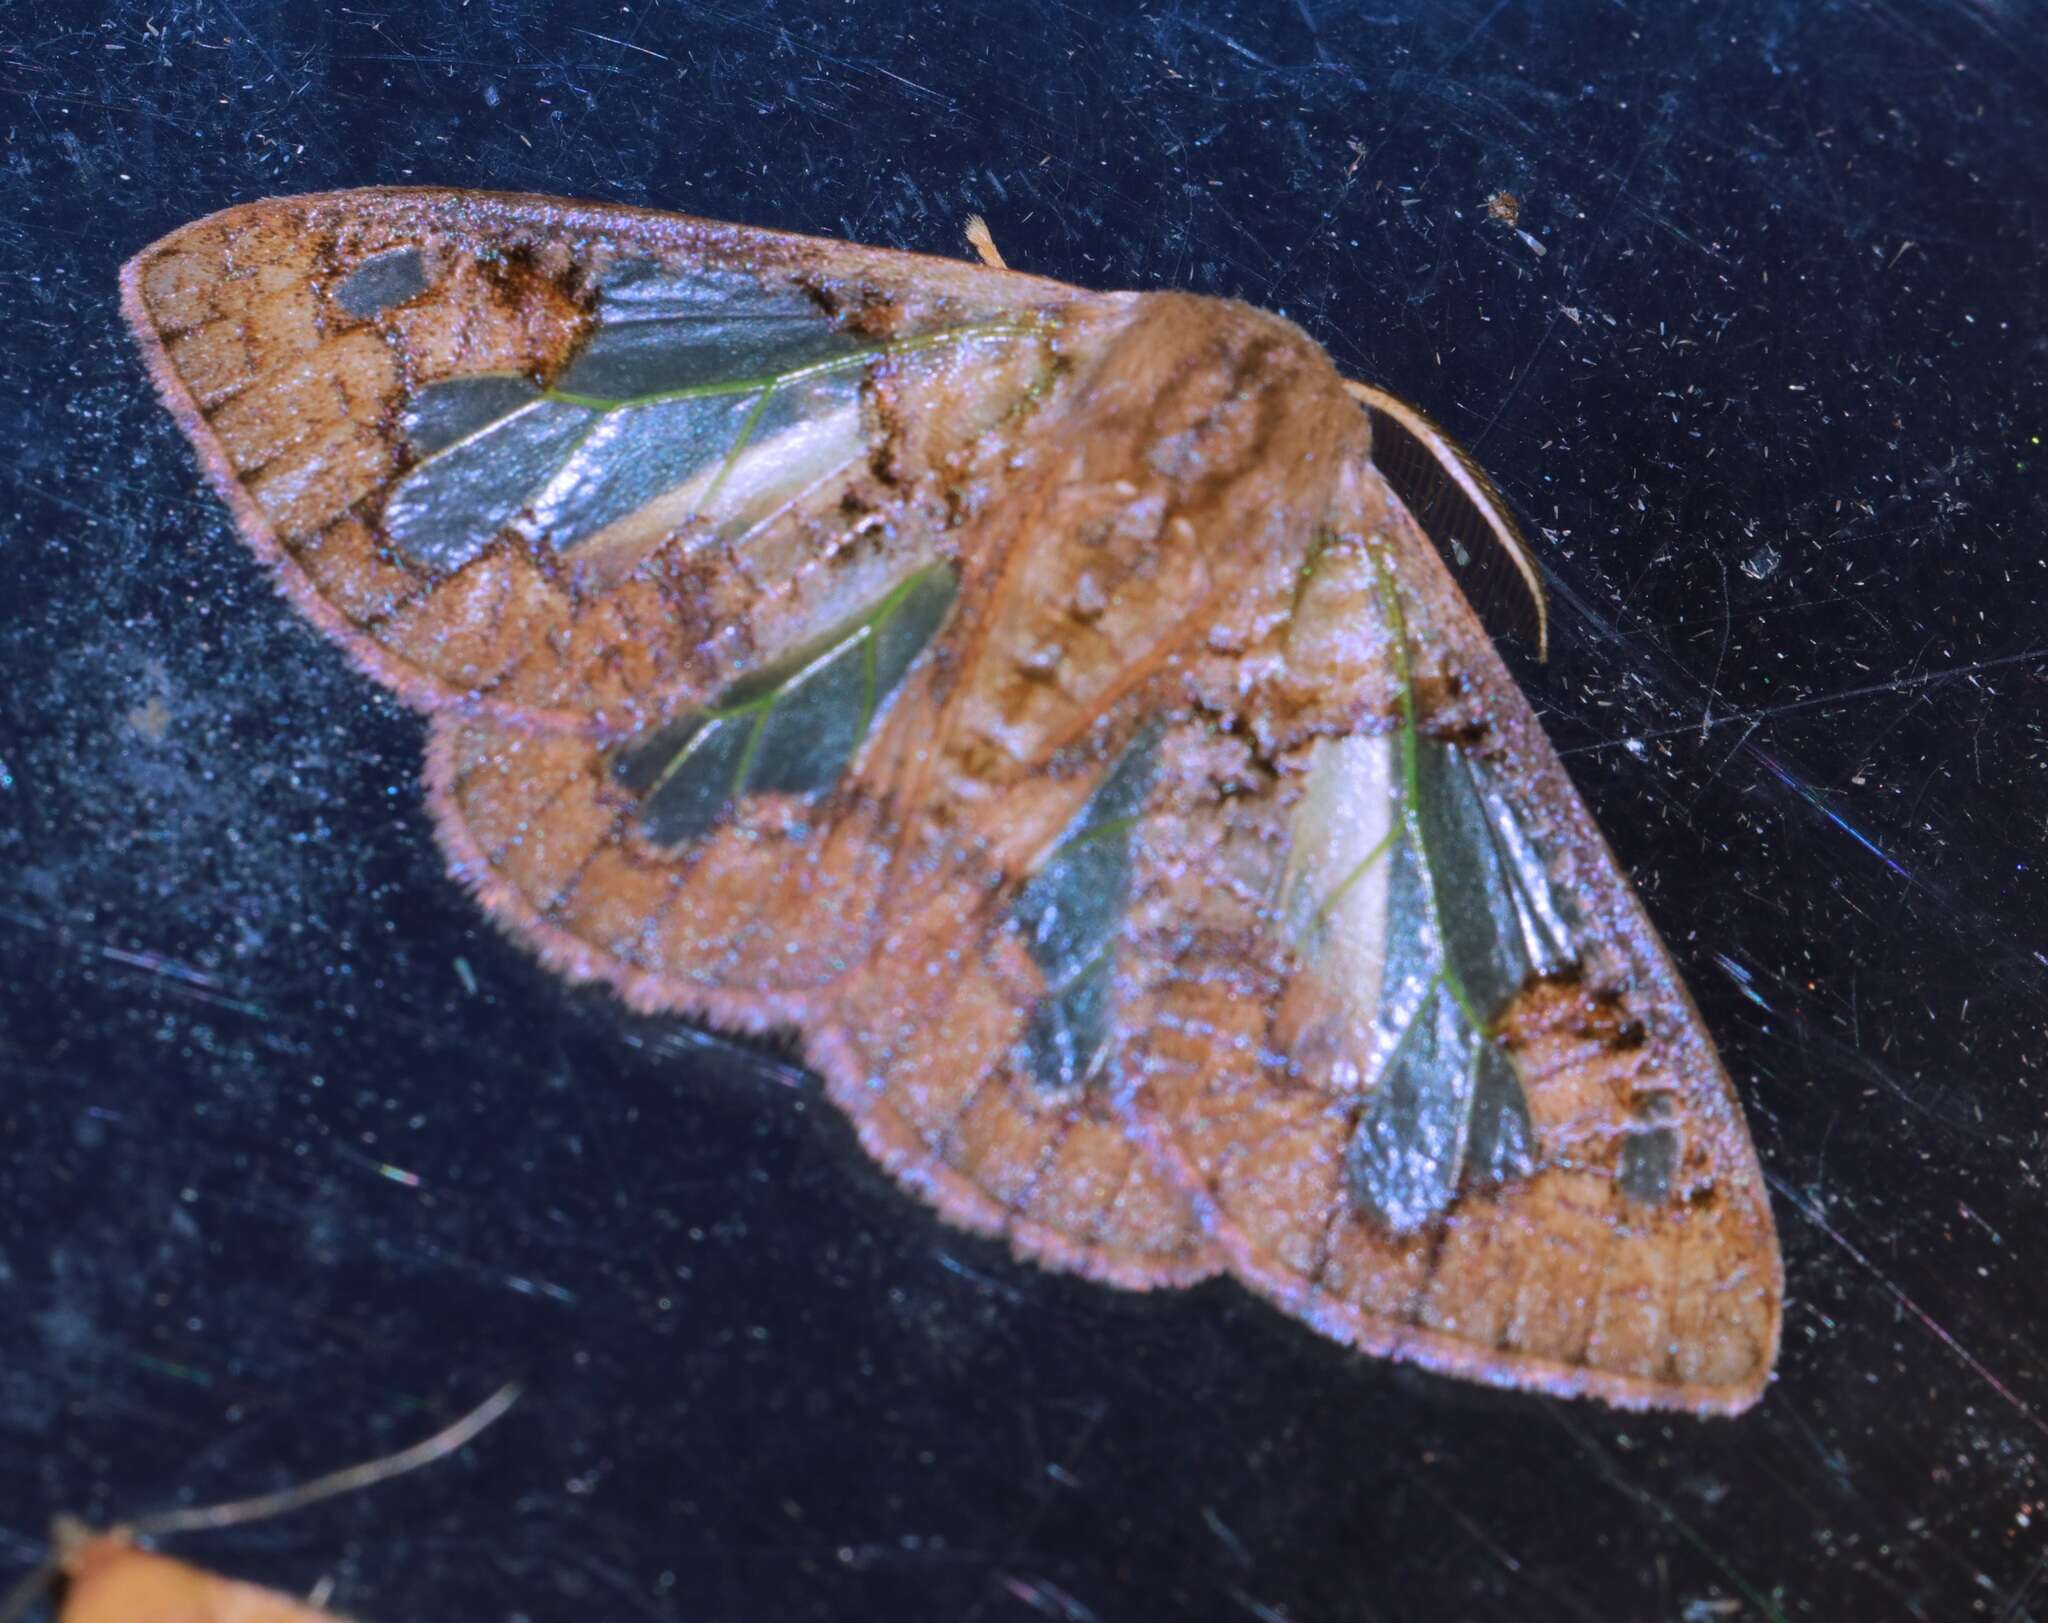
(108, 1577)
(1060, 709)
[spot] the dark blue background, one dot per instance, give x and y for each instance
(1770, 403)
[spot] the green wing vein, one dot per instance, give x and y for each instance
(699, 395)
(792, 726)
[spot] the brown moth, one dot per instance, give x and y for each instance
(1051, 704)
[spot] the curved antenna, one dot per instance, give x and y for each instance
(349, 1479)
(1481, 508)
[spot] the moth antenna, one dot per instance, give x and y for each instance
(68, 1534)
(979, 239)
(1470, 481)
(349, 1479)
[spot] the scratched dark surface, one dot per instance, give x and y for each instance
(298, 1158)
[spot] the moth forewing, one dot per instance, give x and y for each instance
(488, 442)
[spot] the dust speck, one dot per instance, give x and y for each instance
(151, 719)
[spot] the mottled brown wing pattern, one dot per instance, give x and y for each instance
(322, 352)
(1628, 1250)
(1048, 703)
(775, 916)
(1084, 585)
(929, 1049)
(728, 861)
(989, 1085)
